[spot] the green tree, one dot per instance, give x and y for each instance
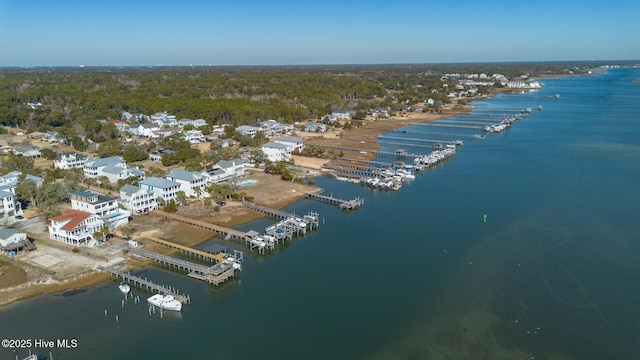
(134, 152)
(109, 148)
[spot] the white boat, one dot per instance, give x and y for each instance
(166, 302)
(125, 288)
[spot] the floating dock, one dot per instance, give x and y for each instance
(146, 284)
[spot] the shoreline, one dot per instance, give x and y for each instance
(361, 137)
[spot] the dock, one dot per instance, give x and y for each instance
(146, 284)
(195, 253)
(278, 214)
(223, 232)
(343, 204)
(215, 274)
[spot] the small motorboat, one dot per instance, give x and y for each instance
(125, 288)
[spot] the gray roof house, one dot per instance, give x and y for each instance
(163, 188)
(28, 151)
(93, 167)
(191, 182)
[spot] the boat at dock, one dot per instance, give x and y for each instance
(125, 288)
(166, 302)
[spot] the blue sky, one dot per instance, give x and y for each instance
(250, 32)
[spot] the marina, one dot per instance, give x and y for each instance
(343, 204)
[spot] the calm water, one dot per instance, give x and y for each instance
(552, 274)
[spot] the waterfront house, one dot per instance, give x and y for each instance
(191, 183)
(69, 160)
(74, 227)
(293, 143)
(104, 206)
(93, 167)
(164, 189)
(13, 241)
(137, 200)
(28, 151)
(276, 151)
(380, 112)
(226, 170)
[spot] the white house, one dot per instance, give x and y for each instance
(315, 127)
(93, 167)
(9, 207)
(276, 151)
(341, 114)
(104, 206)
(162, 188)
(194, 136)
(28, 151)
(248, 130)
(293, 143)
(137, 200)
(225, 170)
(191, 183)
(148, 129)
(74, 227)
(115, 173)
(12, 241)
(69, 160)
(164, 119)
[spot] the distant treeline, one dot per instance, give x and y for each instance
(233, 95)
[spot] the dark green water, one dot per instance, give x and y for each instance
(552, 274)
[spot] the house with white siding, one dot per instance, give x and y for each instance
(74, 227)
(341, 114)
(191, 183)
(105, 207)
(164, 189)
(93, 167)
(115, 173)
(276, 151)
(13, 241)
(137, 200)
(69, 160)
(225, 170)
(28, 151)
(293, 143)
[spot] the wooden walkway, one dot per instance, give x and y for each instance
(225, 233)
(215, 274)
(199, 254)
(279, 214)
(146, 284)
(343, 204)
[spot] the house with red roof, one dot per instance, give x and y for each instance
(74, 227)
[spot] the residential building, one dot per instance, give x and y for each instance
(293, 143)
(74, 227)
(115, 173)
(164, 119)
(226, 170)
(69, 160)
(315, 127)
(28, 151)
(13, 241)
(194, 136)
(162, 188)
(341, 114)
(191, 183)
(105, 207)
(156, 156)
(276, 151)
(195, 123)
(248, 130)
(9, 207)
(93, 167)
(137, 200)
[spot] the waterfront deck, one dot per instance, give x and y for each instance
(146, 284)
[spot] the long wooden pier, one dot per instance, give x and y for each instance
(390, 154)
(418, 140)
(198, 254)
(411, 132)
(146, 284)
(343, 204)
(215, 274)
(225, 233)
(434, 124)
(279, 214)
